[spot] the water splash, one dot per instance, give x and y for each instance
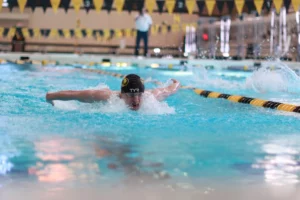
(274, 77)
(112, 105)
(150, 105)
(5, 165)
(7, 151)
(202, 77)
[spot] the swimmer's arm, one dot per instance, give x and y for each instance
(162, 93)
(86, 96)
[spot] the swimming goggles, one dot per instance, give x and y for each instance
(134, 94)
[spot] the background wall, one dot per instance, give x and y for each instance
(92, 20)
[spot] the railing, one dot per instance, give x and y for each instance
(44, 47)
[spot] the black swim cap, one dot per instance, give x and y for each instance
(132, 83)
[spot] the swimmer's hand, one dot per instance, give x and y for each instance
(175, 81)
(49, 100)
(162, 93)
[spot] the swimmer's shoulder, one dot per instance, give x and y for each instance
(116, 93)
(150, 92)
(102, 94)
(110, 92)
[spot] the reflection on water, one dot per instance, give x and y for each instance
(126, 158)
(59, 160)
(68, 160)
(53, 173)
(281, 165)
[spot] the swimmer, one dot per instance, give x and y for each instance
(132, 89)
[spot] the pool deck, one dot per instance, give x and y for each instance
(85, 59)
(179, 191)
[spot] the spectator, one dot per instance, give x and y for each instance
(143, 24)
(18, 42)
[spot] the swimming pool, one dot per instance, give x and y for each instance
(186, 143)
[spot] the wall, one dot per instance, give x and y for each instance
(92, 20)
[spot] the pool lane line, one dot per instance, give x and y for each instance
(99, 71)
(45, 62)
(242, 99)
(212, 94)
(249, 100)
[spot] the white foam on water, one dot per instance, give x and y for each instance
(274, 77)
(5, 165)
(202, 77)
(151, 105)
(112, 105)
(7, 151)
(271, 77)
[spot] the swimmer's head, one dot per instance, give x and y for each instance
(131, 91)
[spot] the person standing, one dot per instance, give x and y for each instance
(143, 24)
(18, 42)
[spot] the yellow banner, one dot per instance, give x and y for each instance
(170, 4)
(154, 29)
(53, 33)
(106, 34)
(150, 5)
(36, 33)
(89, 33)
(11, 32)
(119, 4)
(1, 2)
(98, 5)
(128, 32)
(78, 33)
(55, 5)
(259, 4)
(77, 4)
(176, 18)
(22, 4)
(175, 28)
(25, 32)
(277, 4)
(118, 33)
(239, 4)
(164, 30)
(67, 33)
(210, 4)
(1, 31)
(296, 5)
(190, 4)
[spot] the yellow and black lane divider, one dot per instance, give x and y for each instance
(249, 100)
(53, 62)
(30, 62)
(243, 99)
(103, 72)
(203, 93)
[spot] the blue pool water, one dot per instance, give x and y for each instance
(186, 138)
